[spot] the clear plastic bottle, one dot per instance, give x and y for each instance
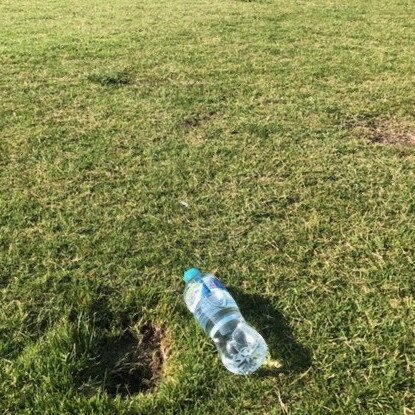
(241, 348)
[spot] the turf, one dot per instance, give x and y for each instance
(139, 138)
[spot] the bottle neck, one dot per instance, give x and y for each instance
(197, 279)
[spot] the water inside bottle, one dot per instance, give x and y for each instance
(243, 349)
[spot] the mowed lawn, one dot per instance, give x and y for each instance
(268, 141)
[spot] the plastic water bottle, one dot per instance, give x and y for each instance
(241, 348)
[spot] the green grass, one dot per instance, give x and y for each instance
(142, 137)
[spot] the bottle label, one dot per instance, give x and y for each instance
(208, 299)
(192, 296)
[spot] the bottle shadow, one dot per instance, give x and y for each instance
(273, 326)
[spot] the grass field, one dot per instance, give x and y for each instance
(268, 140)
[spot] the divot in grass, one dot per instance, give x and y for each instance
(385, 132)
(114, 78)
(126, 364)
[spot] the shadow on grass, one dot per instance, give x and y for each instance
(273, 326)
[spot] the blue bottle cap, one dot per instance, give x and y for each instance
(191, 273)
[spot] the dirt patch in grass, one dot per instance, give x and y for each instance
(114, 78)
(126, 364)
(385, 132)
(255, 1)
(196, 120)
